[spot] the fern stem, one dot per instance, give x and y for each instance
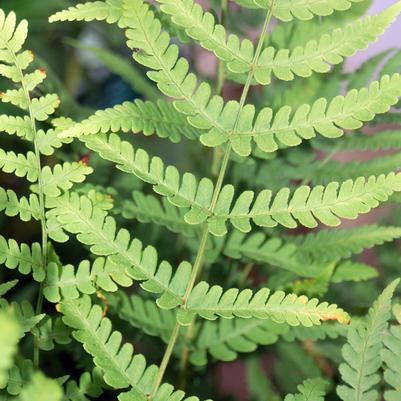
(205, 234)
(42, 215)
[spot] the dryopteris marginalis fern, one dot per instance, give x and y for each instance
(229, 320)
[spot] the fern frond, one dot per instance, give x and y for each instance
(22, 256)
(26, 209)
(139, 116)
(48, 141)
(211, 302)
(304, 10)
(20, 126)
(310, 390)
(19, 164)
(108, 10)
(149, 209)
(120, 366)
(24, 315)
(333, 245)
(50, 332)
(353, 271)
(290, 127)
(285, 64)
(7, 286)
(62, 177)
(382, 140)
(94, 228)
(90, 385)
(307, 205)
(225, 338)
(12, 36)
(391, 356)
(362, 351)
(9, 337)
(19, 376)
(66, 282)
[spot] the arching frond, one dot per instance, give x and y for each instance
(23, 207)
(108, 10)
(94, 228)
(147, 117)
(362, 351)
(316, 55)
(27, 258)
(290, 127)
(69, 282)
(211, 302)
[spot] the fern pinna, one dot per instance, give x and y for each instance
(246, 270)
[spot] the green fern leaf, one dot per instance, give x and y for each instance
(5, 287)
(353, 271)
(308, 206)
(50, 332)
(22, 256)
(20, 126)
(90, 386)
(24, 315)
(211, 302)
(109, 11)
(94, 228)
(19, 164)
(19, 376)
(63, 176)
(391, 356)
(290, 127)
(362, 352)
(9, 337)
(304, 10)
(26, 209)
(147, 117)
(66, 282)
(285, 64)
(333, 245)
(41, 108)
(49, 141)
(309, 390)
(12, 36)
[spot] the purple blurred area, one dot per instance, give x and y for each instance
(389, 40)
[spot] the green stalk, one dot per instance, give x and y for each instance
(42, 215)
(205, 235)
